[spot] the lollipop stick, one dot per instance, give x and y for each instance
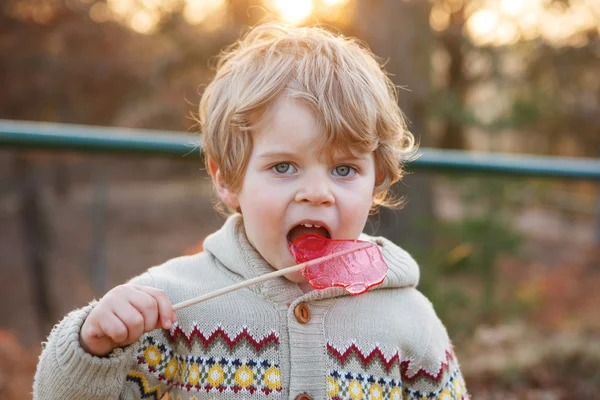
(266, 277)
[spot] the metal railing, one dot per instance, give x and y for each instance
(66, 137)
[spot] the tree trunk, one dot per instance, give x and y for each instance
(398, 32)
(34, 228)
(453, 136)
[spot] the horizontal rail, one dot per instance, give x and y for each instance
(508, 164)
(66, 137)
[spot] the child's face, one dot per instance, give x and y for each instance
(288, 183)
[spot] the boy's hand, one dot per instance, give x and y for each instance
(123, 315)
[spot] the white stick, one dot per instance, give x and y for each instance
(265, 277)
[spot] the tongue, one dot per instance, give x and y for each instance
(300, 231)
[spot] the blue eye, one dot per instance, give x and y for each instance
(343, 171)
(284, 168)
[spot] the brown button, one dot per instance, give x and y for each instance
(302, 314)
(303, 396)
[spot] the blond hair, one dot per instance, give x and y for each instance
(337, 77)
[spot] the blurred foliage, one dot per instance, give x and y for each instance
(466, 253)
(508, 76)
(556, 367)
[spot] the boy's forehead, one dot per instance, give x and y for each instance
(287, 113)
(290, 125)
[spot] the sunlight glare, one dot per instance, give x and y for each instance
(121, 7)
(334, 3)
(506, 33)
(294, 11)
(512, 7)
(481, 24)
(197, 11)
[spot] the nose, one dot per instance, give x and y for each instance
(315, 190)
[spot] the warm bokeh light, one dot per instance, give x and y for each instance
(504, 22)
(122, 7)
(335, 3)
(293, 11)
(482, 25)
(143, 21)
(151, 4)
(99, 12)
(143, 15)
(512, 7)
(338, 12)
(439, 18)
(198, 11)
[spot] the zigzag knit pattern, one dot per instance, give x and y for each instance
(146, 391)
(346, 383)
(219, 334)
(353, 350)
(203, 373)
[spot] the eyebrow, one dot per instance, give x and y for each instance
(353, 158)
(290, 155)
(278, 154)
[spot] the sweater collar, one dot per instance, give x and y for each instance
(230, 246)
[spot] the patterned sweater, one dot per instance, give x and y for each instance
(268, 341)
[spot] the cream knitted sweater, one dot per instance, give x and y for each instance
(267, 341)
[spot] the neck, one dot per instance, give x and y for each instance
(305, 287)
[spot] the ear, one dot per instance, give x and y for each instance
(227, 196)
(378, 180)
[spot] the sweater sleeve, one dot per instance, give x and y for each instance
(430, 369)
(66, 371)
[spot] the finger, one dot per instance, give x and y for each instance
(146, 305)
(165, 306)
(112, 326)
(133, 320)
(91, 327)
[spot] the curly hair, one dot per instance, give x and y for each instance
(337, 77)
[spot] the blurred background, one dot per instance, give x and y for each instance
(511, 264)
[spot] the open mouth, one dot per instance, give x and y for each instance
(307, 229)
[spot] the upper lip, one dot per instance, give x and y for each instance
(312, 222)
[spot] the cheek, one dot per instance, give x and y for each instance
(354, 209)
(360, 207)
(262, 199)
(261, 204)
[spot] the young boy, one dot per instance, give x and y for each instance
(302, 134)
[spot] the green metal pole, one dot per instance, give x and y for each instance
(51, 136)
(67, 137)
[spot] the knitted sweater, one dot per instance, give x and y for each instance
(270, 340)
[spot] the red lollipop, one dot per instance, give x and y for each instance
(356, 271)
(354, 265)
